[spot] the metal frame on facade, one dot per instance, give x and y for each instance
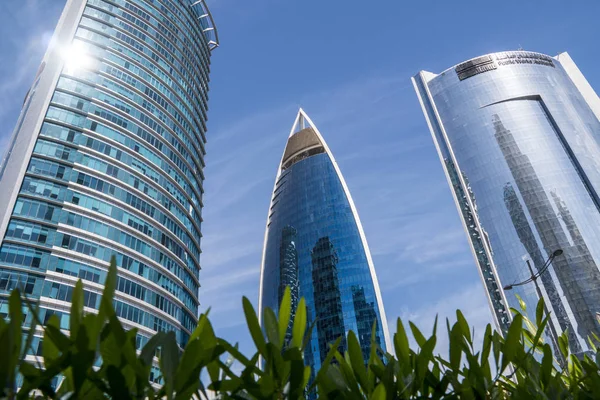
(212, 36)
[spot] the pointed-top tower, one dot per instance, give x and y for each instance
(315, 243)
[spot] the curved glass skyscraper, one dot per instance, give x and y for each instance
(107, 159)
(518, 135)
(315, 244)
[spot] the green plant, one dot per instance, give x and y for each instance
(98, 360)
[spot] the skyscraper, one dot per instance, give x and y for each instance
(315, 244)
(520, 132)
(107, 159)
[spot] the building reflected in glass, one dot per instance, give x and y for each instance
(107, 159)
(520, 133)
(315, 244)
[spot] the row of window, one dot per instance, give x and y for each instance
(34, 233)
(93, 77)
(61, 152)
(156, 76)
(62, 292)
(126, 197)
(31, 233)
(79, 121)
(119, 214)
(156, 64)
(58, 291)
(42, 188)
(50, 169)
(138, 291)
(127, 38)
(96, 13)
(89, 248)
(24, 257)
(179, 124)
(142, 116)
(73, 136)
(21, 256)
(189, 42)
(27, 283)
(71, 155)
(125, 239)
(123, 310)
(97, 275)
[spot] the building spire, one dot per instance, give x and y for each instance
(301, 122)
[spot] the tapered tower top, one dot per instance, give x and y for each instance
(304, 141)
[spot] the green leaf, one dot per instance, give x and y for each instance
(546, 368)
(110, 350)
(15, 336)
(357, 360)
(299, 324)
(326, 364)
(254, 327)
(401, 343)
(512, 341)
(456, 346)
(522, 304)
(464, 326)
(563, 344)
(539, 312)
(117, 383)
(169, 361)
(202, 321)
(49, 348)
(106, 310)
(379, 393)
(33, 322)
(285, 312)
(487, 344)
(76, 308)
(417, 334)
(149, 349)
(271, 326)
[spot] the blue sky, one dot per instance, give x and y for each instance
(348, 64)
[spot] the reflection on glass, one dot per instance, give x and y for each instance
(328, 302)
(477, 237)
(524, 128)
(549, 228)
(315, 245)
(366, 317)
(288, 269)
(523, 228)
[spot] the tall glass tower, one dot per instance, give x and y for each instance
(315, 244)
(107, 159)
(518, 134)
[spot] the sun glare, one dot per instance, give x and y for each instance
(75, 57)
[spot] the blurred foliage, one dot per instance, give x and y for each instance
(97, 359)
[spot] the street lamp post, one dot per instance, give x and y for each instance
(533, 278)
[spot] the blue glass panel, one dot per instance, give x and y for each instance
(314, 246)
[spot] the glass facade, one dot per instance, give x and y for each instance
(314, 244)
(518, 132)
(115, 165)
